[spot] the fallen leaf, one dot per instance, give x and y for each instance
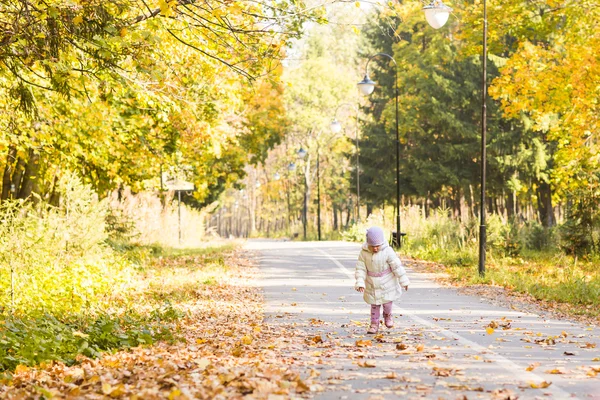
(533, 366)
(556, 371)
(366, 364)
(540, 385)
(316, 339)
(246, 339)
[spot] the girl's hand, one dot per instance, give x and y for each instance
(405, 288)
(360, 289)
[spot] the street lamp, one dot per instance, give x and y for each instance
(437, 13)
(482, 228)
(336, 128)
(366, 87)
(301, 154)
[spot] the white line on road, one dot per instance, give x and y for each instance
(507, 364)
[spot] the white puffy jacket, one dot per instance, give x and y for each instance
(380, 290)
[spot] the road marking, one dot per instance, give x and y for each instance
(344, 270)
(508, 365)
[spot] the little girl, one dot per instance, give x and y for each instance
(379, 275)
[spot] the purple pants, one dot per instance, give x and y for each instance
(376, 310)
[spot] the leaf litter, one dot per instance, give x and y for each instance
(224, 351)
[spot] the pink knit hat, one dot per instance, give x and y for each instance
(375, 236)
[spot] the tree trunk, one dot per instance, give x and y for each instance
(30, 175)
(335, 218)
(54, 199)
(18, 176)
(10, 159)
(545, 211)
(510, 205)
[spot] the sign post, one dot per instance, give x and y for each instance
(179, 186)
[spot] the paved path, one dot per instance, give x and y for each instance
(440, 347)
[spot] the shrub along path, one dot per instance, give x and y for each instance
(221, 349)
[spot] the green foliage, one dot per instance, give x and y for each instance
(357, 231)
(503, 236)
(31, 340)
(538, 237)
(580, 233)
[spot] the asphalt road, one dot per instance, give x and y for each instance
(440, 348)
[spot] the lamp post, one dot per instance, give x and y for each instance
(301, 154)
(318, 194)
(482, 228)
(336, 127)
(437, 15)
(366, 87)
(291, 168)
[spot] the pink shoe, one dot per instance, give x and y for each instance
(373, 329)
(389, 322)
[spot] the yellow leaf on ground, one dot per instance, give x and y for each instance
(21, 369)
(247, 339)
(533, 366)
(540, 385)
(367, 364)
(117, 391)
(556, 371)
(489, 330)
(174, 394)
(363, 343)
(106, 388)
(316, 339)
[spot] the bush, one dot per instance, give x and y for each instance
(503, 236)
(578, 236)
(537, 237)
(53, 259)
(357, 232)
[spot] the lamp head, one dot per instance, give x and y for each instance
(301, 153)
(276, 176)
(335, 126)
(291, 167)
(437, 13)
(366, 86)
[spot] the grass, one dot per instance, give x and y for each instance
(547, 276)
(143, 312)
